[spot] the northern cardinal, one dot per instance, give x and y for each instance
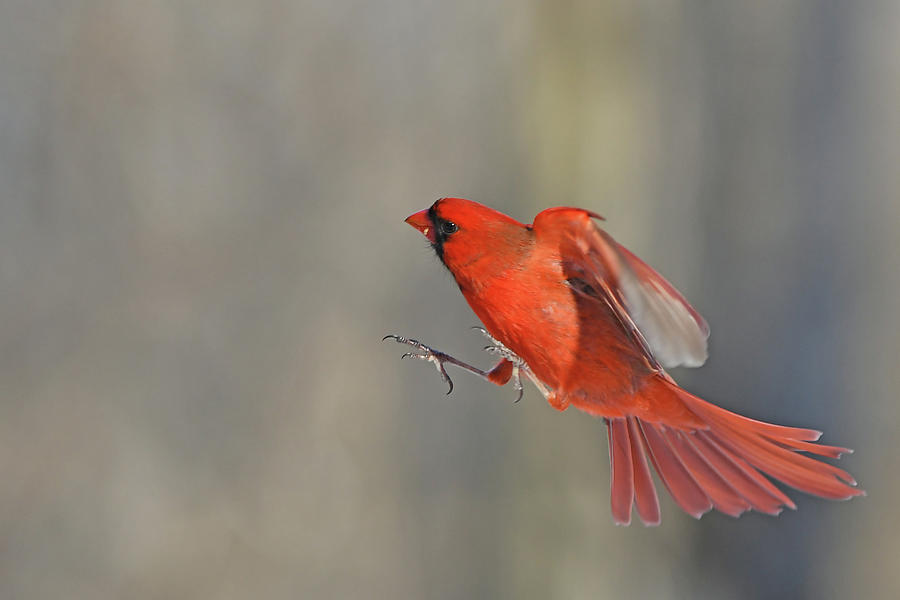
(593, 326)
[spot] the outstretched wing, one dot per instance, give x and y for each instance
(706, 456)
(649, 307)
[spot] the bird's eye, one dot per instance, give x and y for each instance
(448, 227)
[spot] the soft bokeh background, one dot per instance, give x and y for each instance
(201, 245)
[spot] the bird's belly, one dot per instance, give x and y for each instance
(573, 344)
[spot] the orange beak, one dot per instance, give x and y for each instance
(422, 222)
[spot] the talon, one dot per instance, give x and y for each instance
(403, 340)
(517, 383)
(447, 380)
(487, 334)
(397, 338)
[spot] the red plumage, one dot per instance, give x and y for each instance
(595, 327)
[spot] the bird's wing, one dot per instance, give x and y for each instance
(649, 307)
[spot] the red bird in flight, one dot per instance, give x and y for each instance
(593, 326)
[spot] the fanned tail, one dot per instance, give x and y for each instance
(721, 464)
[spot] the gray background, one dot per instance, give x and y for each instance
(201, 245)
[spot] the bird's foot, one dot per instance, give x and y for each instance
(426, 353)
(497, 347)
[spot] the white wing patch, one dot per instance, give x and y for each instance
(675, 338)
(674, 332)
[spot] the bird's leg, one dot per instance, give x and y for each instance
(509, 367)
(438, 359)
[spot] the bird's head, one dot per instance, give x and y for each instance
(463, 232)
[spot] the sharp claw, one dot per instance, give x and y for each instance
(435, 358)
(448, 381)
(402, 340)
(517, 383)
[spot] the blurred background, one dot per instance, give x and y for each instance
(202, 244)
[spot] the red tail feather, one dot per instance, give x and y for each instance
(720, 465)
(621, 470)
(644, 491)
(685, 491)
